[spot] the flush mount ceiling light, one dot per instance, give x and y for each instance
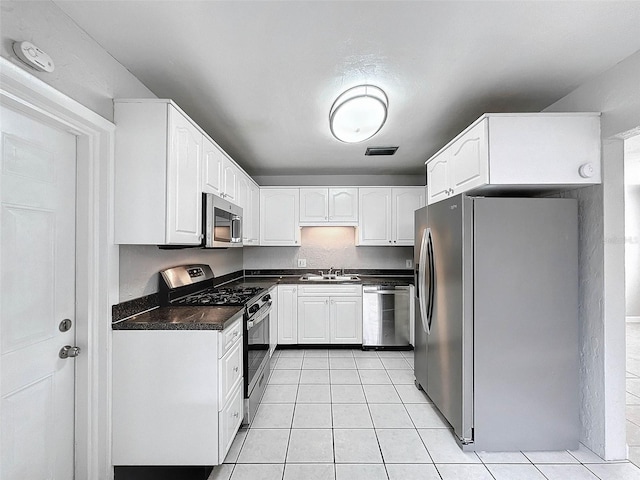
(358, 114)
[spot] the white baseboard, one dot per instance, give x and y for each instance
(633, 319)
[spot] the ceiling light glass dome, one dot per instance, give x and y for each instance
(358, 114)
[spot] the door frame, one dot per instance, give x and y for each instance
(96, 256)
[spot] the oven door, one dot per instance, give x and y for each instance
(256, 359)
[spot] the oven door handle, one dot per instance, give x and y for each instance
(260, 315)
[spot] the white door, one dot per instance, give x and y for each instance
(37, 292)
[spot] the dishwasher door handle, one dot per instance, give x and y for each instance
(398, 290)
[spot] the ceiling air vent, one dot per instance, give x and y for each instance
(381, 150)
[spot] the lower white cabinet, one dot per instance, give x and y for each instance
(330, 314)
(177, 395)
(230, 418)
(273, 321)
(287, 314)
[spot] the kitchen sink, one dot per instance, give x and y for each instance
(312, 277)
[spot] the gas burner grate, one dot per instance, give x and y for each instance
(220, 296)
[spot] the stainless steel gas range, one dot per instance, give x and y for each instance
(193, 285)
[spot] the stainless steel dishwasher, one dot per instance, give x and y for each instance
(386, 316)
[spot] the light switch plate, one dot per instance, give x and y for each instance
(302, 262)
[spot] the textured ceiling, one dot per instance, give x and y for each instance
(260, 77)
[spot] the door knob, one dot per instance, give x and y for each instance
(69, 351)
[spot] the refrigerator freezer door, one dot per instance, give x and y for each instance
(450, 341)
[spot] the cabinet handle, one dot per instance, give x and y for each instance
(235, 369)
(236, 414)
(389, 241)
(326, 302)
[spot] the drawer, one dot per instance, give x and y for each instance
(330, 290)
(230, 418)
(229, 336)
(230, 372)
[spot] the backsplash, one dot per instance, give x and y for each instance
(140, 264)
(324, 247)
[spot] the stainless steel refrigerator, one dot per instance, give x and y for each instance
(496, 330)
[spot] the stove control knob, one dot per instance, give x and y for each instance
(266, 298)
(254, 308)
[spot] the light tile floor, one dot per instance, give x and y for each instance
(351, 415)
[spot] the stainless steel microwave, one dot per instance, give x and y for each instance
(222, 222)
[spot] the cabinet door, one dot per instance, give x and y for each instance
(273, 322)
(243, 200)
(313, 320)
(279, 216)
(230, 372)
(438, 178)
(213, 160)
(314, 205)
(184, 190)
(405, 202)
(229, 180)
(343, 205)
(287, 314)
(375, 216)
(346, 319)
(254, 220)
(230, 418)
(469, 160)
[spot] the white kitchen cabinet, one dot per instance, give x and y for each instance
(253, 236)
(387, 215)
(345, 320)
(220, 173)
(273, 321)
(313, 320)
(330, 314)
(527, 152)
(158, 163)
(248, 199)
(287, 314)
(328, 206)
(279, 217)
(230, 174)
(172, 385)
(213, 159)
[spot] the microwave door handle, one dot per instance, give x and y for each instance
(421, 281)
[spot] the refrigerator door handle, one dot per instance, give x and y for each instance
(432, 278)
(421, 279)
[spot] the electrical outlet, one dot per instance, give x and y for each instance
(302, 262)
(408, 263)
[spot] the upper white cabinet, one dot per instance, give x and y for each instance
(387, 215)
(503, 152)
(279, 217)
(213, 160)
(158, 163)
(247, 197)
(326, 206)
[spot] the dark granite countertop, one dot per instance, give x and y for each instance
(215, 318)
(181, 318)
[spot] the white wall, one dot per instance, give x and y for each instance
(88, 74)
(325, 247)
(140, 264)
(615, 93)
(632, 225)
(84, 70)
